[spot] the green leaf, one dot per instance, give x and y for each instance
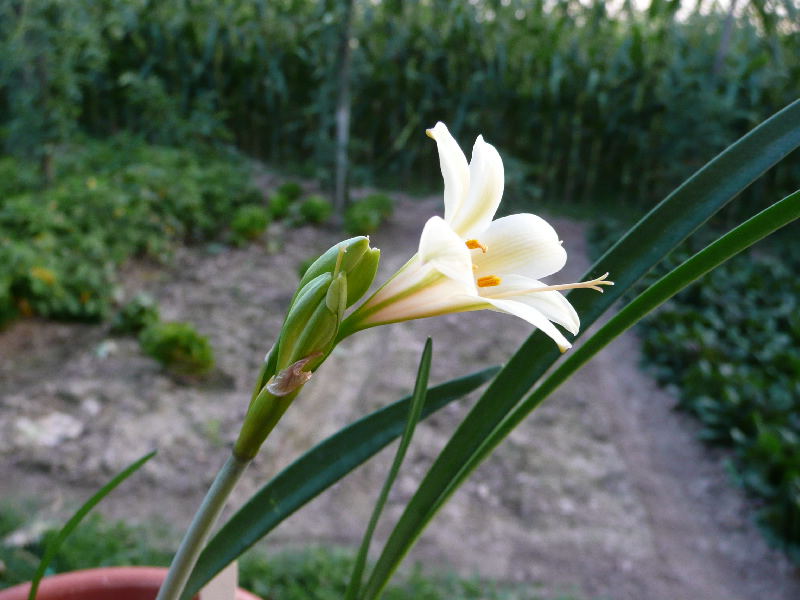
(644, 246)
(315, 471)
(742, 237)
(417, 401)
(55, 544)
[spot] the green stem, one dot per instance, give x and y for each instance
(203, 522)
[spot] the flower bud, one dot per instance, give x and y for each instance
(352, 257)
(336, 280)
(310, 325)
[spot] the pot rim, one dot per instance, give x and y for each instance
(134, 578)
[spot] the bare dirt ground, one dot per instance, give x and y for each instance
(603, 491)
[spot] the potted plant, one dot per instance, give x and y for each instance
(466, 261)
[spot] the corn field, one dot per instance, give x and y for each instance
(585, 104)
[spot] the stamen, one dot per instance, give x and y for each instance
(474, 244)
(594, 284)
(489, 281)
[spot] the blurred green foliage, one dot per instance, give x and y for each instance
(585, 105)
(179, 347)
(110, 201)
(731, 346)
(365, 215)
(315, 573)
(279, 205)
(135, 315)
(315, 209)
(249, 222)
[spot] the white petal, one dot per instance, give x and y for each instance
(440, 297)
(532, 316)
(552, 304)
(522, 244)
(441, 248)
(455, 171)
(486, 180)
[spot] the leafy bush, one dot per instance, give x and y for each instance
(137, 314)
(731, 345)
(291, 190)
(179, 347)
(364, 216)
(249, 222)
(360, 220)
(16, 177)
(316, 209)
(279, 205)
(61, 262)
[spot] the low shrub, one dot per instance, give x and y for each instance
(138, 313)
(249, 222)
(111, 201)
(279, 205)
(380, 203)
(291, 190)
(178, 347)
(364, 216)
(315, 209)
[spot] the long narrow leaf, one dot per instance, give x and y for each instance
(644, 246)
(314, 472)
(417, 401)
(55, 543)
(739, 239)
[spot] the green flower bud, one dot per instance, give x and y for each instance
(308, 323)
(336, 280)
(360, 278)
(353, 257)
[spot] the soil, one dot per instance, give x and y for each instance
(604, 492)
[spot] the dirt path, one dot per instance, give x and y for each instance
(604, 491)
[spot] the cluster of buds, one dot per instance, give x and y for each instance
(333, 283)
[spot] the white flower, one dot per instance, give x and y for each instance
(466, 261)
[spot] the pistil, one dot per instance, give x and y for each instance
(594, 284)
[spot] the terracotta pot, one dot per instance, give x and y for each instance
(108, 583)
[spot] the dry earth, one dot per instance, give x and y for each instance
(604, 491)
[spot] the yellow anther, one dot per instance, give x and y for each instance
(473, 244)
(489, 281)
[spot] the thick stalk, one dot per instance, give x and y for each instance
(203, 522)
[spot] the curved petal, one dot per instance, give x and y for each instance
(443, 296)
(455, 171)
(532, 316)
(486, 180)
(441, 248)
(522, 244)
(552, 304)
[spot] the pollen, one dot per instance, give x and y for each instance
(473, 244)
(489, 281)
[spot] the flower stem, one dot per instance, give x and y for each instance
(203, 522)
